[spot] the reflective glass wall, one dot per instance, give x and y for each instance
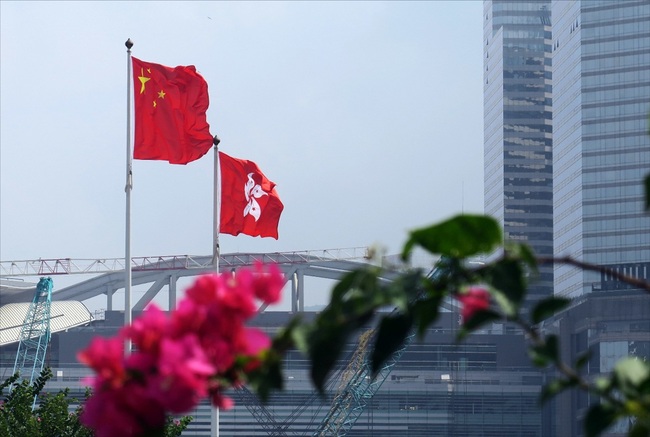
(518, 126)
(601, 72)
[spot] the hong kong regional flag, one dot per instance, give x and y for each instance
(249, 203)
(170, 106)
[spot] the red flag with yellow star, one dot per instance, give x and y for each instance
(170, 106)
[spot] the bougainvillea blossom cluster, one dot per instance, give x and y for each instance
(475, 299)
(195, 352)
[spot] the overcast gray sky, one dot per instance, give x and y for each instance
(367, 115)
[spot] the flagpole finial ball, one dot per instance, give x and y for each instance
(216, 140)
(128, 43)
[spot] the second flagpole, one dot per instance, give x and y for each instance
(127, 189)
(216, 250)
(216, 253)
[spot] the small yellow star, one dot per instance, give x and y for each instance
(143, 79)
(161, 94)
(155, 104)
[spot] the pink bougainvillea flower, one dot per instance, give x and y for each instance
(106, 357)
(185, 361)
(139, 365)
(237, 296)
(220, 401)
(173, 395)
(127, 411)
(473, 300)
(188, 317)
(267, 286)
(147, 330)
(256, 341)
(205, 288)
(203, 348)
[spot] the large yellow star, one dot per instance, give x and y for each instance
(143, 79)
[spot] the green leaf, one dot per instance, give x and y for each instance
(547, 307)
(555, 387)
(268, 377)
(362, 279)
(9, 381)
(639, 430)
(407, 287)
(603, 385)
(631, 372)
(392, 333)
(326, 340)
(508, 276)
(460, 237)
(426, 311)
(477, 320)
(582, 360)
(546, 353)
(325, 349)
(508, 307)
(292, 335)
(524, 253)
(598, 419)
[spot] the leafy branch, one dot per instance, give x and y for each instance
(492, 291)
(636, 282)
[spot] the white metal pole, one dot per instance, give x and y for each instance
(127, 189)
(216, 252)
(216, 207)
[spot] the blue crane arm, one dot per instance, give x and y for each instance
(35, 332)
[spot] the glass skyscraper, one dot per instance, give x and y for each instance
(601, 87)
(518, 127)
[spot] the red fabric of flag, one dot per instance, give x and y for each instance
(249, 203)
(170, 106)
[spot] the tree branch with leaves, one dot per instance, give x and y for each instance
(493, 291)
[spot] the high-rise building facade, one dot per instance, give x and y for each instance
(518, 127)
(601, 87)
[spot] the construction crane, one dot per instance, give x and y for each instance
(358, 385)
(282, 428)
(35, 332)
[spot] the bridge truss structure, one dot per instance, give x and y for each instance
(163, 272)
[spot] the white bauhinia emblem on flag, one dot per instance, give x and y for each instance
(253, 191)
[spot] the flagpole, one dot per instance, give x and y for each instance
(216, 253)
(127, 189)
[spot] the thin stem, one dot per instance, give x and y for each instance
(640, 283)
(571, 374)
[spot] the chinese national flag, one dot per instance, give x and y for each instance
(170, 106)
(249, 203)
